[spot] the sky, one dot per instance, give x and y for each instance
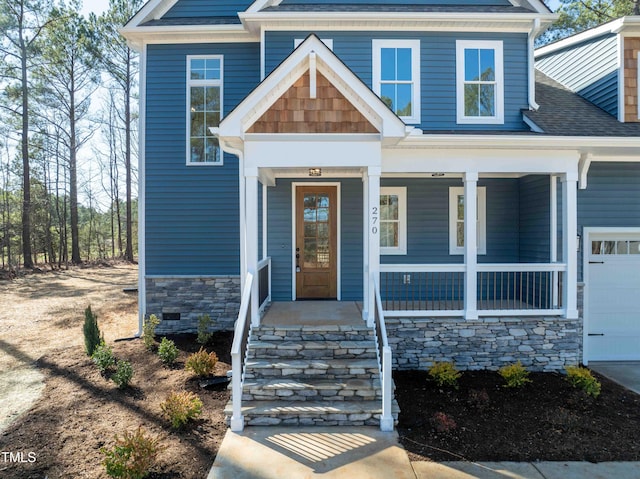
(95, 6)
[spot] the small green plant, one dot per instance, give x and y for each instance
(445, 374)
(581, 378)
(204, 322)
(202, 363)
(443, 423)
(181, 407)
(167, 351)
(149, 331)
(132, 456)
(91, 331)
(124, 373)
(103, 357)
(515, 375)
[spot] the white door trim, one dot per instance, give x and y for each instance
(587, 234)
(294, 185)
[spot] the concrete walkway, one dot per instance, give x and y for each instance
(368, 453)
(626, 373)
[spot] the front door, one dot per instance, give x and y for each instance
(316, 242)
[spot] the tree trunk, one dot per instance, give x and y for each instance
(26, 173)
(128, 255)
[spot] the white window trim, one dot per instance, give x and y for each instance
(497, 47)
(401, 193)
(327, 41)
(190, 83)
(454, 192)
(414, 45)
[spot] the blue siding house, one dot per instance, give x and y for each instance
(412, 166)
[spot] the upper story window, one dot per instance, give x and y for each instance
(456, 220)
(204, 104)
(393, 220)
(479, 82)
(396, 76)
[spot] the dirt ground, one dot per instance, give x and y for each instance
(546, 420)
(73, 411)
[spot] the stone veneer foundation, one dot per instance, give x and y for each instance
(191, 297)
(541, 344)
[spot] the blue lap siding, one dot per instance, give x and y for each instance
(192, 225)
(438, 69)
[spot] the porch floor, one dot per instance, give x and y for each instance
(313, 313)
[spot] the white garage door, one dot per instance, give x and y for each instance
(613, 297)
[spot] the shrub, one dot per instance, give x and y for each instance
(204, 336)
(103, 357)
(181, 407)
(445, 374)
(581, 378)
(443, 422)
(124, 373)
(91, 331)
(202, 363)
(132, 456)
(149, 331)
(167, 351)
(478, 399)
(515, 375)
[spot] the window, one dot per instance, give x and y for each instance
(396, 76)
(456, 220)
(204, 103)
(479, 82)
(393, 220)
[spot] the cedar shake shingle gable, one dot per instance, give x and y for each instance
(564, 113)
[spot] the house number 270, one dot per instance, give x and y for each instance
(374, 220)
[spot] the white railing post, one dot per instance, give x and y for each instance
(386, 419)
(470, 245)
(237, 359)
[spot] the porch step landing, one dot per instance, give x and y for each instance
(302, 375)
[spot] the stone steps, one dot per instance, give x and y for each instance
(311, 389)
(312, 375)
(312, 368)
(312, 413)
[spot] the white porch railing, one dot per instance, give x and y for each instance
(519, 289)
(264, 282)
(238, 353)
(384, 353)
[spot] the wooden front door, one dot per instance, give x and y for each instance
(316, 242)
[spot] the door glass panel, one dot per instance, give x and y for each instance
(622, 247)
(609, 247)
(317, 253)
(596, 247)
(634, 247)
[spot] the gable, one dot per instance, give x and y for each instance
(296, 112)
(397, 2)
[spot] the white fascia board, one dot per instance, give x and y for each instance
(382, 21)
(152, 10)
(610, 27)
(284, 76)
(318, 153)
(187, 34)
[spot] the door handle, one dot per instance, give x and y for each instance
(596, 262)
(595, 334)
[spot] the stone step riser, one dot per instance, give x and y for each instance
(356, 373)
(312, 354)
(311, 336)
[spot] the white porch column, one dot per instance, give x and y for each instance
(570, 243)
(251, 185)
(366, 279)
(373, 222)
(471, 245)
(264, 221)
(553, 239)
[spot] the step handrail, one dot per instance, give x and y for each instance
(386, 420)
(238, 351)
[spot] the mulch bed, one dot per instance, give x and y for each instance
(545, 420)
(81, 411)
